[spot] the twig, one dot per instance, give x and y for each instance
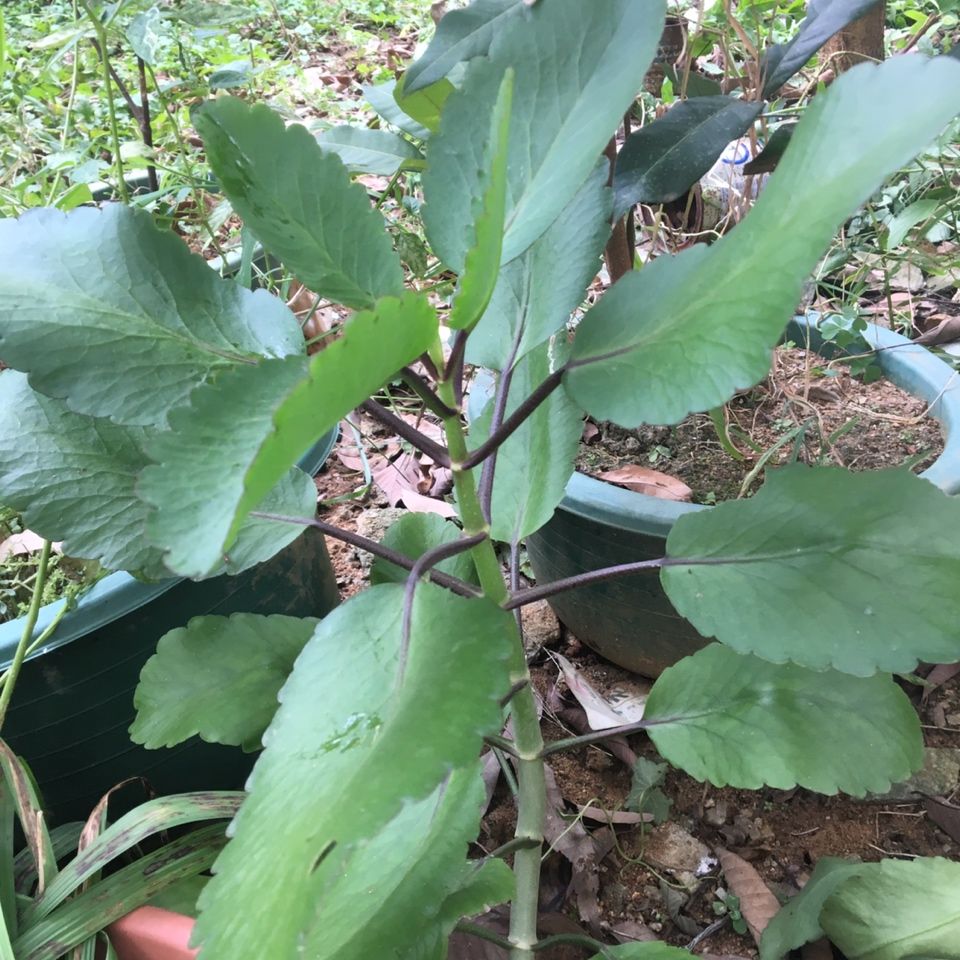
(571, 743)
(409, 432)
(482, 933)
(422, 389)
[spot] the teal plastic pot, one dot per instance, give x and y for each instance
(629, 620)
(73, 704)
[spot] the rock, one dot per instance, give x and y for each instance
(540, 626)
(373, 524)
(939, 777)
(670, 846)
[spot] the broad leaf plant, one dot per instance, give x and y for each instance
(154, 413)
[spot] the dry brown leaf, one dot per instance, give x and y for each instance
(598, 815)
(945, 815)
(651, 482)
(20, 544)
(817, 950)
(418, 503)
(946, 331)
(938, 676)
(758, 905)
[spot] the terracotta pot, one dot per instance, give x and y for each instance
(150, 933)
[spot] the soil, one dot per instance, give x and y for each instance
(782, 834)
(819, 414)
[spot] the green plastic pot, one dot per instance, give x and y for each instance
(629, 620)
(73, 703)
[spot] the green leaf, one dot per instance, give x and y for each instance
(417, 861)
(73, 479)
(685, 332)
(299, 201)
(535, 463)
(536, 293)
(741, 721)
(461, 35)
(347, 749)
(414, 534)
(645, 794)
(482, 261)
(381, 98)
(578, 68)
(662, 160)
(817, 569)
(149, 319)
(289, 404)
(897, 909)
(651, 950)
(907, 219)
(798, 920)
(823, 20)
(370, 151)
(217, 677)
(146, 33)
(425, 104)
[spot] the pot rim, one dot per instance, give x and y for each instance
(910, 366)
(118, 593)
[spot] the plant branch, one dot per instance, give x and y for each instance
(514, 421)
(500, 743)
(36, 601)
(453, 371)
(571, 743)
(482, 933)
(409, 432)
(422, 389)
(454, 584)
(542, 591)
(146, 128)
(423, 565)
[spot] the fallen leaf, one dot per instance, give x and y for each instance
(418, 503)
(632, 931)
(945, 815)
(397, 477)
(938, 676)
(21, 544)
(758, 905)
(651, 482)
(603, 713)
(946, 331)
(590, 431)
(598, 815)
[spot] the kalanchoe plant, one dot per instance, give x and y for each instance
(163, 408)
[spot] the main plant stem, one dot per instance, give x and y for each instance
(528, 742)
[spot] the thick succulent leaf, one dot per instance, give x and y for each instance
(578, 68)
(288, 405)
(897, 909)
(798, 920)
(347, 749)
(299, 201)
(413, 535)
(823, 20)
(73, 478)
(686, 332)
(370, 151)
(662, 160)
(217, 677)
(535, 463)
(817, 569)
(740, 721)
(417, 860)
(381, 98)
(650, 950)
(461, 35)
(536, 293)
(149, 319)
(425, 104)
(482, 261)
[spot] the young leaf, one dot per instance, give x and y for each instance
(805, 570)
(414, 534)
(424, 105)
(740, 721)
(347, 749)
(535, 463)
(798, 921)
(418, 863)
(897, 909)
(577, 69)
(300, 202)
(380, 97)
(289, 404)
(823, 20)
(663, 159)
(645, 793)
(461, 35)
(370, 151)
(685, 332)
(536, 293)
(218, 677)
(58, 303)
(482, 261)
